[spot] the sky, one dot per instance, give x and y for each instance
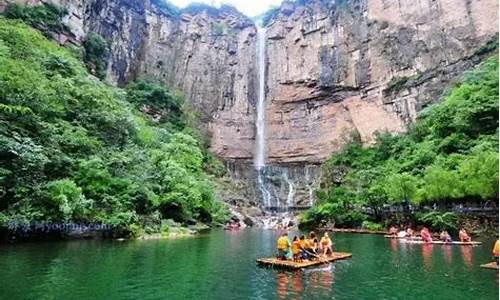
(250, 8)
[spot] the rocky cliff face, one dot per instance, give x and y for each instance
(364, 65)
(333, 67)
(206, 53)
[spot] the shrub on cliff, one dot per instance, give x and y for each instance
(95, 54)
(157, 101)
(166, 7)
(46, 17)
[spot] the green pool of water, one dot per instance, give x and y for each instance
(221, 265)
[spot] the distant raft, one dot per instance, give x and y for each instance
(443, 243)
(402, 237)
(491, 265)
(289, 264)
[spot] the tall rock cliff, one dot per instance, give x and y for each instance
(206, 53)
(333, 67)
(364, 65)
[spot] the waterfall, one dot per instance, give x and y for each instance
(260, 161)
(309, 186)
(291, 191)
(260, 155)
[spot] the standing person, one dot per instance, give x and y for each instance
(296, 249)
(283, 245)
(426, 235)
(495, 252)
(464, 237)
(326, 244)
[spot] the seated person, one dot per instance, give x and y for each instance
(296, 249)
(409, 232)
(303, 247)
(464, 237)
(326, 244)
(426, 235)
(312, 245)
(393, 231)
(283, 244)
(445, 236)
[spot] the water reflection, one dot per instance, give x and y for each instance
(292, 285)
(282, 284)
(427, 255)
(322, 280)
(447, 252)
(467, 255)
(297, 282)
(394, 245)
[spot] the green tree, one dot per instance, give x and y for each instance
(479, 175)
(401, 187)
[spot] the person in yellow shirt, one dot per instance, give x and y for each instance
(326, 244)
(283, 244)
(311, 246)
(296, 248)
(495, 252)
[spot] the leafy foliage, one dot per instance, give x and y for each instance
(166, 7)
(372, 226)
(46, 17)
(159, 101)
(439, 221)
(95, 55)
(449, 154)
(74, 149)
(269, 16)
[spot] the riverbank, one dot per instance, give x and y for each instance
(64, 232)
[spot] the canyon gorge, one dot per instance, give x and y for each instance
(322, 70)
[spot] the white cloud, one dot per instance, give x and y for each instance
(248, 7)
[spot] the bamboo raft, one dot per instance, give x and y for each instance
(351, 230)
(491, 265)
(289, 264)
(443, 243)
(402, 237)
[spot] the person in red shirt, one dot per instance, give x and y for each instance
(426, 235)
(464, 237)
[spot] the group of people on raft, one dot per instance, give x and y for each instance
(302, 248)
(426, 235)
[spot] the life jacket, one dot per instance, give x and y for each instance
(325, 241)
(495, 249)
(282, 243)
(295, 247)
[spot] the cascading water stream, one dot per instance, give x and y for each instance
(260, 157)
